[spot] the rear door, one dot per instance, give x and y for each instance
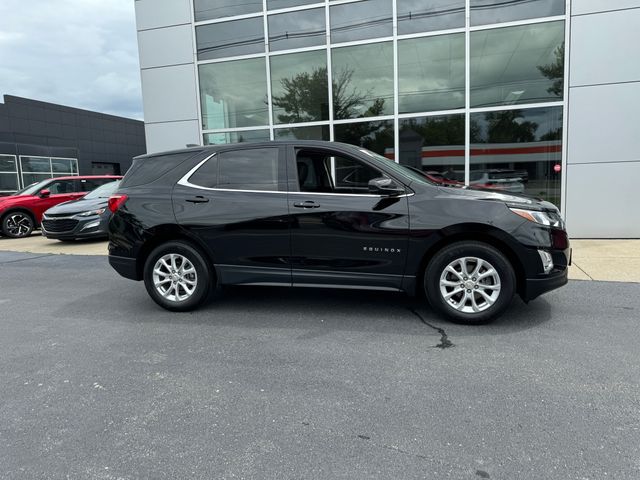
(235, 202)
(341, 233)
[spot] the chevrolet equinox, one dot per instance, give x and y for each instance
(324, 214)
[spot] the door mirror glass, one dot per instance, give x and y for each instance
(385, 186)
(44, 193)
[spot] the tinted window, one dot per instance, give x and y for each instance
(61, 187)
(251, 169)
(243, 136)
(255, 169)
(325, 172)
(207, 174)
(149, 169)
(376, 136)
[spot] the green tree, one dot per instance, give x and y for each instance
(555, 71)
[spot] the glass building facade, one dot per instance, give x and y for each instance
(468, 91)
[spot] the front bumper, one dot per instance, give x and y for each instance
(71, 228)
(536, 285)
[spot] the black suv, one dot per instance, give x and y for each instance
(311, 213)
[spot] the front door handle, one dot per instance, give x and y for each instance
(307, 204)
(198, 199)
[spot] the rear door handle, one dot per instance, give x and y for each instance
(198, 199)
(307, 204)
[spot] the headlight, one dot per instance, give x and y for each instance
(550, 219)
(91, 213)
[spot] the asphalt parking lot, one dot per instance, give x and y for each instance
(99, 382)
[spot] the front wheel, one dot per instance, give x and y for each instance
(177, 277)
(469, 282)
(17, 225)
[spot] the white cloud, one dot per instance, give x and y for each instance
(81, 53)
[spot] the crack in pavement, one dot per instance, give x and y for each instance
(444, 339)
(25, 259)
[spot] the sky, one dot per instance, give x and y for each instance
(79, 53)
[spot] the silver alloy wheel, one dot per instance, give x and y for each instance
(174, 277)
(19, 224)
(470, 284)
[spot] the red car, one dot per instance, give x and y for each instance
(21, 212)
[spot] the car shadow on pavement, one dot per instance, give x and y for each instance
(322, 310)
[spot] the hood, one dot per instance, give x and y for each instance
(514, 199)
(77, 206)
(12, 200)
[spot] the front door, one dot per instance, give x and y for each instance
(342, 234)
(235, 202)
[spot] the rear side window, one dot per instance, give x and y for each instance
(247, 169)
(149, 169)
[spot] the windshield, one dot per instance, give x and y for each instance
(406, 172)
(33, 188)
(103, 191)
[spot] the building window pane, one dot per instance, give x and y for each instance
(305, 28)
(245, 136)
(299, 87)
(496, 11)
(229, 39)
(275, 4)
(419, 16)
(375, 136)
(360, 20)
(29, 178)
(317, 132)
(208, 9)
(518, 151)
(35, 164)
(62, 165)
(514, 65)
(234, 94)
(8, 182)
(362, 80)
(8, 163)
(434, 145)
(431, 73)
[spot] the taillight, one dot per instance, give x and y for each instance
(116, 201)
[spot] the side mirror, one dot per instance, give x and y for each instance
(44, 193)
(385, 186)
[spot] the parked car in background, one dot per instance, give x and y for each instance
(84, 218)
(21, 212)
(327, 214)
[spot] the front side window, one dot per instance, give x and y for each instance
(61, 187)
(250, 169)
(326, 172)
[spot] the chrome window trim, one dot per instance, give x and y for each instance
(184, 181)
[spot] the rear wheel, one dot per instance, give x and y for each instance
(469, 282)
(17, 225)
(177, 276)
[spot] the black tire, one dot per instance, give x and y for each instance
(17, 224)
(475, 300)
(205, 277)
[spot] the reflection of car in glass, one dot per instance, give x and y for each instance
(496, 180)
(84, 218)
(326, 214)
(21, 212)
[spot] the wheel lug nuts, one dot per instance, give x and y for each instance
(476, 286)
(462, 285)
(468, 291)
(465, 279)
(474, 279)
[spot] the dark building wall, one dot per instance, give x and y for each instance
(31, 127)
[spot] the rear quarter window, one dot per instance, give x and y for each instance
(149, 169)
